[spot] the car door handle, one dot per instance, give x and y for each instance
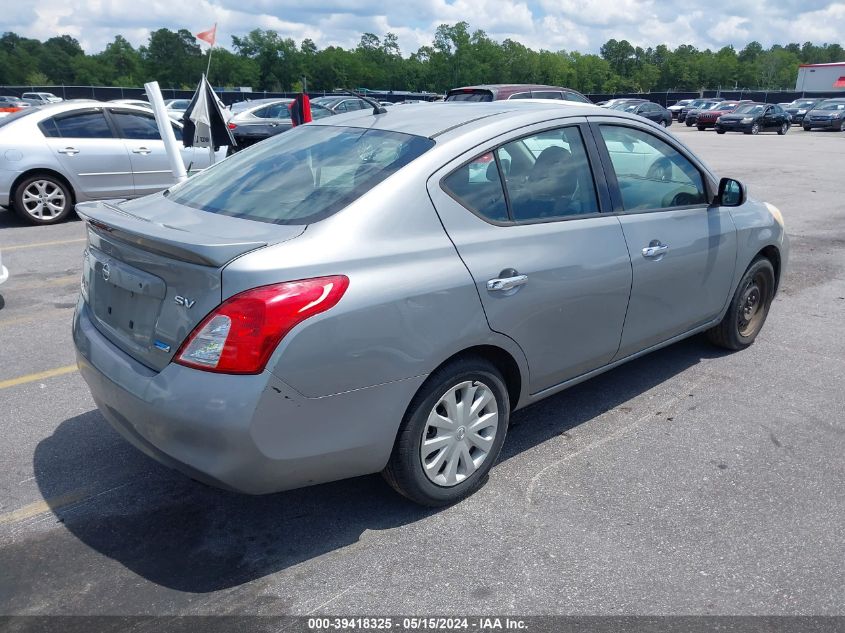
(655, 249)
(70, 151)
(141, 150)
(506, 283)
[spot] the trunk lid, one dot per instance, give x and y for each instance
(153, 269)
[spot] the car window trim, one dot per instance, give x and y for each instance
(610, 173)
(599, 182)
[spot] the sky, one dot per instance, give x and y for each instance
(582, 25)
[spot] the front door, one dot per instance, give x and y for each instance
(683, 249)
(91, 156)
(553, 273)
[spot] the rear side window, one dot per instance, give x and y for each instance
(301, 176)
(547, 176)
(650, 172)
(275, 111)
(478, 186)
(81, 125)
(548, 94)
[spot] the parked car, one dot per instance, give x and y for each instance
(266, 120)
(9, 104)
(829, 114)
(176, 108)
(40, 98)
(341, 104)
(647, 109)
(247, 104)
(691, 115)
(707, 118)
(4, 272)
(798, 108)
(502, 92)
(356, 296)
(753, 118)
(62, 153)
(676, 108)
(261, 121)
(695, 104)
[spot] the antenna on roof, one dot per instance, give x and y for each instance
(377, 107)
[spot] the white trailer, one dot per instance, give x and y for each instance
(821, 78)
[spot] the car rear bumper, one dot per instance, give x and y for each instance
(252, 434)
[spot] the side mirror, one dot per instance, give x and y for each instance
(731, 193)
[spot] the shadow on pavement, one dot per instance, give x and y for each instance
(180, 534)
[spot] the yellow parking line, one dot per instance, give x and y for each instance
(40, 507)
(39, 244)
(41, 375)
(60, 312)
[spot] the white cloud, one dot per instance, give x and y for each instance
(551, 24)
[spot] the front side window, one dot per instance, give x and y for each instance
(82, 125)
(301, 176)
(574, 96)
(650, 172)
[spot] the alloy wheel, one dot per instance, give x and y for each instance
(44, 199)
(459, 433)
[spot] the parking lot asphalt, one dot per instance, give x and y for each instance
(691, 481)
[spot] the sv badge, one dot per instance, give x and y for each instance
(184, 301)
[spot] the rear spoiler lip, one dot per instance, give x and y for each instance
(208, 250)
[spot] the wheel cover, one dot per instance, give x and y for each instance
(459, 433)
(755, 128)
(752, 305)
(44, 199)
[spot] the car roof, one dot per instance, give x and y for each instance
(442, 118)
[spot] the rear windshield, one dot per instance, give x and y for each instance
(301, 176)
(470, 95)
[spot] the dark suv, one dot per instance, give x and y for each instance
(501, 92)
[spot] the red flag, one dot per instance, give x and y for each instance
(209, 36)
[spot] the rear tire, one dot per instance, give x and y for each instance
(720, 131)
(42, 198)
(462, 446)
(748, 309)
(783, 129)
(688, 122)
(701, 128)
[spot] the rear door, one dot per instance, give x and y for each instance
(552, 271)
(151, 170)
(90, 154)
(683, 249)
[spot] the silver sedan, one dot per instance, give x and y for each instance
(379, 292)
(54, 155)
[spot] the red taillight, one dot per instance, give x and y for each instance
(239, 336)
(231, 126)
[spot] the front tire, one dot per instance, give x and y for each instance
(807, 128)
(43, 199)
(755, 128)
(748, 309)
(701, 128)
(451, 435)
(720, 131)
(688, 122)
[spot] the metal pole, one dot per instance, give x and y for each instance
(207, 68)
(165, 128)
